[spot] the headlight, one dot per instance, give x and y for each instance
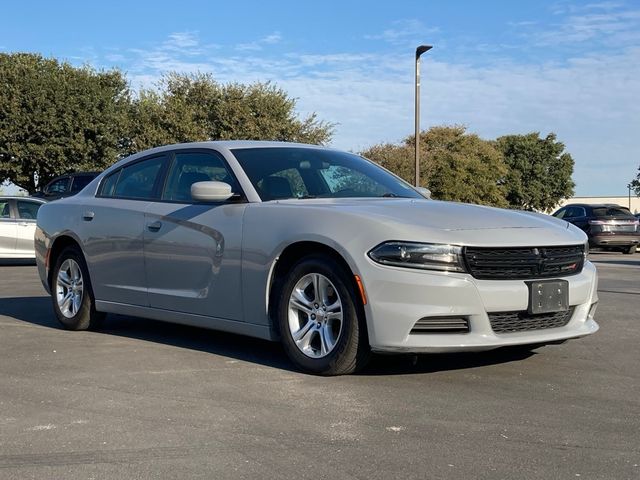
(427, 256)
(586, 249)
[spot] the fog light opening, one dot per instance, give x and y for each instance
(441, 325)
(592, 310)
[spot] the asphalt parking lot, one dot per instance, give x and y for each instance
(143, 399)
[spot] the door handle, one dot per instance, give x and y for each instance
(88, 216)
(24, 224)
(154, 227)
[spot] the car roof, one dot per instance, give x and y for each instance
(594, 205)
(216, 145)
(18, 197)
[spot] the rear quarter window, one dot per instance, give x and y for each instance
(611, 211)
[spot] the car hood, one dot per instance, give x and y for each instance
(439, 222)
(448, 216)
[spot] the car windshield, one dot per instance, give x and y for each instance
(611, 212)
(291, 172)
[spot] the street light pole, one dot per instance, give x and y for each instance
(419, 51)
(629, 187)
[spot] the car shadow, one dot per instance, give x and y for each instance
(22, 262)
(37, 311)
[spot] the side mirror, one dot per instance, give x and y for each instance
(425, 192)
(211, 191)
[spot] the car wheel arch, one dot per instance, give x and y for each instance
(57, 247)
(289, 256)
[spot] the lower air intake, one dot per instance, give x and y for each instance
(441, 325)
(523, 321)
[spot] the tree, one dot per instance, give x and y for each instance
(539, 171)
(194, 107)
(56, 118)
(635, 183)
(455, 165)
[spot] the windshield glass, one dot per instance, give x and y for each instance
(611, 212)
(290, 172)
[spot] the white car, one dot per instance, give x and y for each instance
(17, 226)
(321, 249)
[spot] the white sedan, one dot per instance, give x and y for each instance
(17, 226)
(323, 250)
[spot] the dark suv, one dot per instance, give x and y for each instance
(608, 226)
(66, 185)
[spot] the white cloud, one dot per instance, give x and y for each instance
(404, 32)
(258, 45)
(604, 23)
(590, 100)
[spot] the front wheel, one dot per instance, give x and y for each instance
(71, 292)
(630, 250)
(320, 320)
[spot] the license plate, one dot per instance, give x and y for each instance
(548, 296)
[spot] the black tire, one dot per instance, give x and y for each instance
(351, 351)
(86, 317)
(630, 250)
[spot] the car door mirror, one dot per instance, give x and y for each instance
(425, 192)
(211, 191)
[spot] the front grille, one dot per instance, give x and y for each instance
(441, 325)
(523, 262)
(523, 321)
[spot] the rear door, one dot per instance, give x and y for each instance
(579, 217)
(8, 229)
(193, 250)
(112, 230)
(27, 212)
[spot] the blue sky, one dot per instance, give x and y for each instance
(497, 67)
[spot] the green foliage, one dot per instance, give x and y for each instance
(188, 108)
(455, 165)
(539, 171)
(55, 118)
(635, 183)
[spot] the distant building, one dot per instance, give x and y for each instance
(633, 204)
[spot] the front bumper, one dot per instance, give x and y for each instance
(398, 298)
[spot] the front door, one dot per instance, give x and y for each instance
(193, 250)
(26, 224)
(8, 230)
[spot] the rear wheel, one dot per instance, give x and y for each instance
(71, 292)
(320, 320)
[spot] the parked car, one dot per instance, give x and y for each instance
(323, 250)
(66, 185)
(607, 225)
(18, 226)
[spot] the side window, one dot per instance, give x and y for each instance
(109, 184)
(80, 182)
(580, 212)
(570, 212)
(283, 184)
(28, 210)
(58, 186)
(5, 209)
(191, 167)
(138, 180)
(560, 213)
